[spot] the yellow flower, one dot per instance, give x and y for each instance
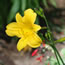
(25, 29)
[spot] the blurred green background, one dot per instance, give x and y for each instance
(9, 8)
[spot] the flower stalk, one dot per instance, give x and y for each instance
(52, 44)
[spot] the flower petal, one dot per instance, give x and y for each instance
(12, 29)
(34, 40)
(18, 18)
(12, 25)
(36, 27)
(21, 44)
(29, 16)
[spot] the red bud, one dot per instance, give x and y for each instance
(35, 52)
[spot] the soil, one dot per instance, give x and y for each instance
(10, 56)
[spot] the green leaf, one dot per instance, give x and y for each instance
(53, 3)
(14, 10)
(60, 40)
(36, 2)
(23, 5)
(45, 3)
(29, 5)
(1, 22)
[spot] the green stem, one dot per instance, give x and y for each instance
(57, 57)
(44, 28)
(51, 36)
(46, 22)
(52, 41)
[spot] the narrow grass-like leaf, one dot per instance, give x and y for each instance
(14, 9)
(45, 3)
(36, 2)
(23, 5)
(60, 40)
(53, 2)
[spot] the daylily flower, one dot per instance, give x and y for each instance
(25, 29)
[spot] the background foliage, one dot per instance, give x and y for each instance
(9, 8)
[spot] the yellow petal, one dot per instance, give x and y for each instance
(36, 27)
(12, 25)
(12, 29)
(29, 16)
(21, 44)
(9, 33)
(18, 18)
(34, 40)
